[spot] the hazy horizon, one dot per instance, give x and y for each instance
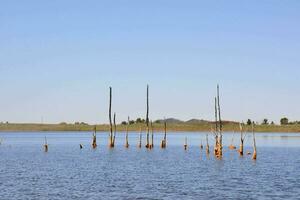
(58, 59)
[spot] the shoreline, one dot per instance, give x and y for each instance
(181, 127)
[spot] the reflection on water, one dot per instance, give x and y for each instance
(66, 172)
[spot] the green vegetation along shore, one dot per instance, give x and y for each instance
(190, 127)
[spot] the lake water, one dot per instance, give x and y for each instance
(66, 172)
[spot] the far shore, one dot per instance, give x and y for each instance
(158, 127)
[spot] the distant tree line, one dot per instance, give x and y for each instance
(283, 121)
(137, 121)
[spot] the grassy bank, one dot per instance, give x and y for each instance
(136, 127)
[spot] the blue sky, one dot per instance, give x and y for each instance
(58, 59)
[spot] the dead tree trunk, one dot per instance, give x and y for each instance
(111, 138)
(163, 143)
(207, 144)
(220, 150)
(147, 119)
(94, 142)
(152, 136)
(216, 148)
(241, 150)
(140, 139)
(126, 138)
(254, 144)
(115, 129)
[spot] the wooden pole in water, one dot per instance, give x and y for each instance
(254, 143)
(147, 119)
(46, 145)
(94, 143)
(126, 138)
(111, 144)
(140, 138)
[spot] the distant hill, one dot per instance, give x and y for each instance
(197, 121)
(170, 121)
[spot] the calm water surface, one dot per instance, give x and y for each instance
(66, 172)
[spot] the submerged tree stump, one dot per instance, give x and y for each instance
(163, 143)
(241, 150)
(126, 137)
(46, 145)
(185, 144)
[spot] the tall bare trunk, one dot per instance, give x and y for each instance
(254, 144)
(241, 151)
(220, 151)
(111, 135)
(147, 118)
(216, 148)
